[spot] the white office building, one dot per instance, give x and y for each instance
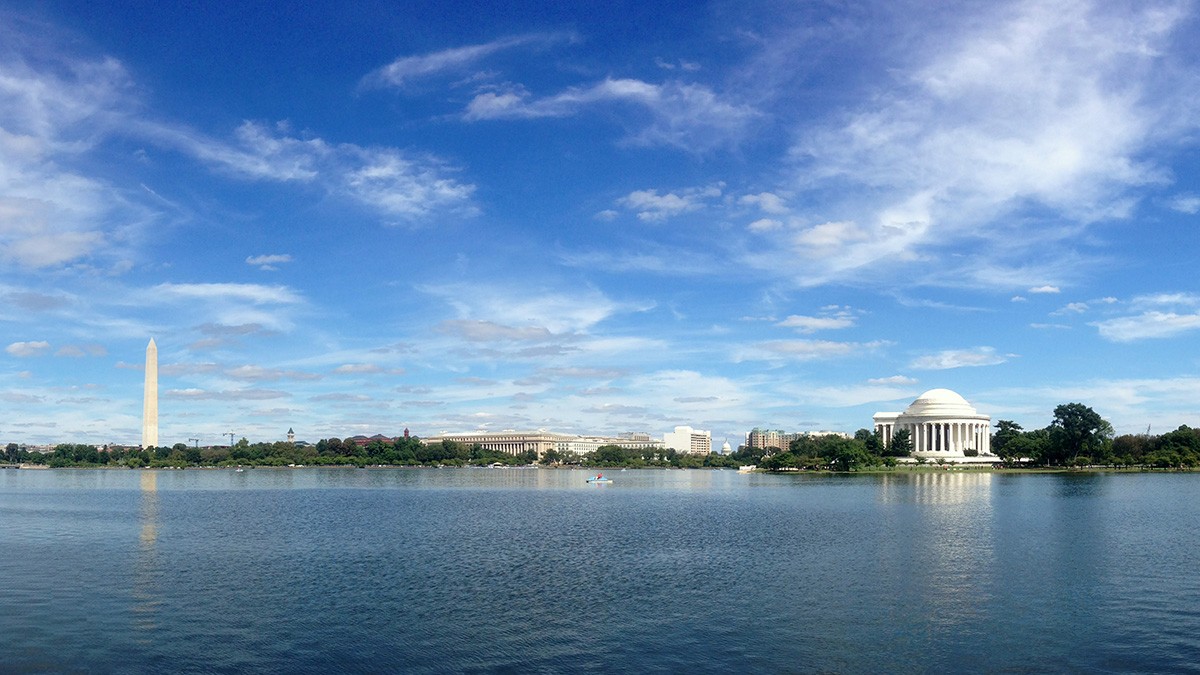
(689, 440)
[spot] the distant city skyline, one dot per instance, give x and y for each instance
(593, 219)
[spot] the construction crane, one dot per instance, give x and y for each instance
(230, 434)
(195, 442)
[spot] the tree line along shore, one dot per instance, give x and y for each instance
(1077, 437)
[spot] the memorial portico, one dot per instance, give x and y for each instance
(941, 424)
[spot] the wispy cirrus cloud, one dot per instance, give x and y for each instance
(490, 331)
(228, 309)
(807, 350)
(269, 262)
(358, 369)
(684, 115)
(955, 149)
(833, 318)
(409, 186)
(496, 310)
(960, 358)
(195, 394)
(1163, 315)
(80, 351)
(1185, 203)
(894, 379)
(1130, 404)
(257, 294)
(406, 69)
(54, 111)
(264, 374)
(58, 110)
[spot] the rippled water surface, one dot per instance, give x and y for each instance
(523, 570)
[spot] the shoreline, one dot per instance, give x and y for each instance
(867, 471)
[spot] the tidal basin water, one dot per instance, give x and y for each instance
(524, 570)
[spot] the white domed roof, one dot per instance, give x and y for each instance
(939, 402)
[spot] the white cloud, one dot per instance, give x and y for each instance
(554, 311)
(263, 307)
(764, 225)
(358, 369)
(1129, 404)
(1147, 325)
(27, 349)
(405, 69)
(827, 236)
(1037, 108)
(687, 116)
(269, 262)
(253, 293)
(1071, 308)
(394, 183)
(1045, 289)
(812, 324)
(894, 379)
(79, 351)
(807, 350)
(52, 115)
(402, 186)
(262, 374)
(1167, 299)
(847, 395)
(767, 202)
(195, 394)
(1185, 203)
(653, 207)
(959, 358)
(489, 331)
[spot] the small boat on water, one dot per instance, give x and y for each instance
(599, 478)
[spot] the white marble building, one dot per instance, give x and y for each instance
(941, 425)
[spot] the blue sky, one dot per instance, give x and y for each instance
(597, 219)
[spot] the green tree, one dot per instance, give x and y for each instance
(901, 444)
(609, 455)
(1076, 430)
(845, 454)
(1032, 445)
(872, 441)
(1181, 447)
(779, 461)
(1006, 431)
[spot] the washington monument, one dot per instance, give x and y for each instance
(150, 398)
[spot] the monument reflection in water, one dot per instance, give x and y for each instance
(146, 593)
(945, 539)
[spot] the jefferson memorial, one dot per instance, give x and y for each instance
(942, 425)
